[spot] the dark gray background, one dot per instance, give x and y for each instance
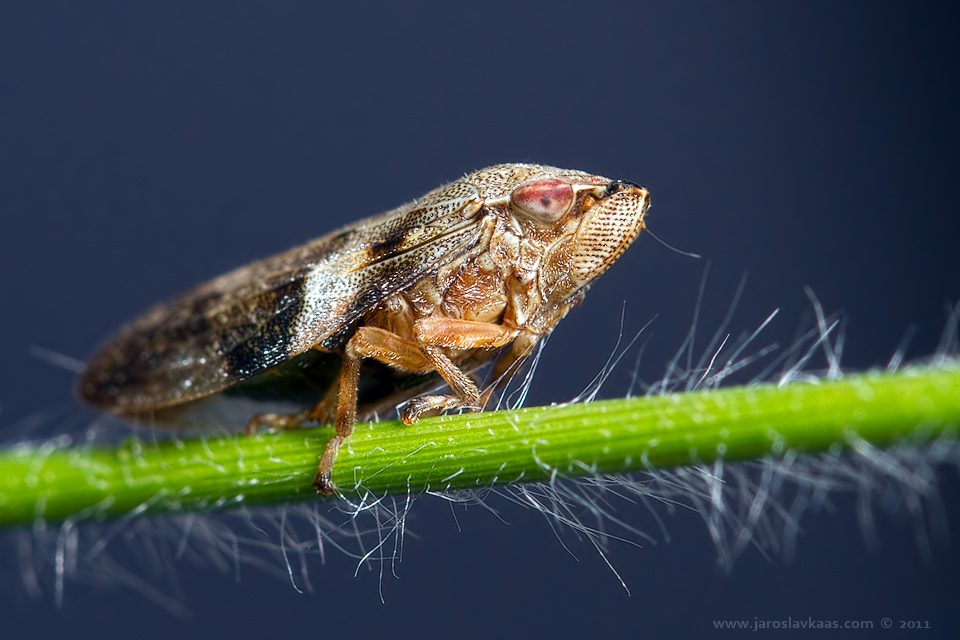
(145, 147)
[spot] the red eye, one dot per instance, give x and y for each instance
(543, 200)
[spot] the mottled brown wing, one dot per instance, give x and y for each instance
(252, 319)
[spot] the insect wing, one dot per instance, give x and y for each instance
(252, 319)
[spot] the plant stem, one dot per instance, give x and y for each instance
(479, 450)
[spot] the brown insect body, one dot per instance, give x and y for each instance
(497, 258)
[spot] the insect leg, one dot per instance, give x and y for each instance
(421, 356)
(466, 395)
(367, 342)
(321, 412)
(277, 421)
(433, 333)
(462, 334)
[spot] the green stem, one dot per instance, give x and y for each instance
(479, 450)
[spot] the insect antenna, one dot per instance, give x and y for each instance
(689, 254)
(57, 359)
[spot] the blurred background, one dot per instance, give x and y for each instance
(148, 146)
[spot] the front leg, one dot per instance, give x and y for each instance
(465, 393)
(434, 333)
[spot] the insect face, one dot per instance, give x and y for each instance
(581, 228)
(608, 227)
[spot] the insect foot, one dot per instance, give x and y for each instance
(415, 409)
(377, 311)
(276, 422)
(322, 482)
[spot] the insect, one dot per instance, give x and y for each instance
(371, 314)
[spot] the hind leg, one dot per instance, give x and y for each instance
(323, 411)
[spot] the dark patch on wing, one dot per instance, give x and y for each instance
(266, 345)
(338, 338)
(368, 295)
(393, 275)
(198, 344)
(387, 246)
(342, 238)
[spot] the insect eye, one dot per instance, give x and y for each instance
(543, 200)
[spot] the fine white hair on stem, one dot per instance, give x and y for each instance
(746, 507)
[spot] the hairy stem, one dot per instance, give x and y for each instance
(57, 483)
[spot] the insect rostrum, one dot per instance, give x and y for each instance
(369, 313)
